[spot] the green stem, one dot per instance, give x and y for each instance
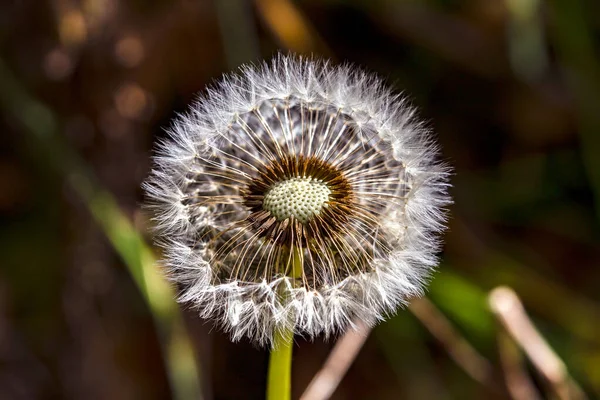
(279, 384)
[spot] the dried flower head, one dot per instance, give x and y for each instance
(298, 195)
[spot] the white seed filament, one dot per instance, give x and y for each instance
(300, 197)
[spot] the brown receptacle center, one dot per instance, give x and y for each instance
(297, 198)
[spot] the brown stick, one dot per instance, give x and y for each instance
(473, 363)
(341, 357)
(518, 383)
(507, 307)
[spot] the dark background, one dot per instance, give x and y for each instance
(511, 88)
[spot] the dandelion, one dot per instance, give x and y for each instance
(298, 196)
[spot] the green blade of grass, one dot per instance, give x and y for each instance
(41, 127)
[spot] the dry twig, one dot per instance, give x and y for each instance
(341, 357)
(518, 382)
(473, 363)
(507, 307)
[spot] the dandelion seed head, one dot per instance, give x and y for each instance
(298, 195)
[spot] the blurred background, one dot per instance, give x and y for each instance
(87, 87)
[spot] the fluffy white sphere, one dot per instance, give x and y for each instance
(298, 195)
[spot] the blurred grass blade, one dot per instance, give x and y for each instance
(578, 55)
(289, 25)
(40, 124)
(465, 302)
(526, 41)
(238, 32)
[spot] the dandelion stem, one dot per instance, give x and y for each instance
(279, 383)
